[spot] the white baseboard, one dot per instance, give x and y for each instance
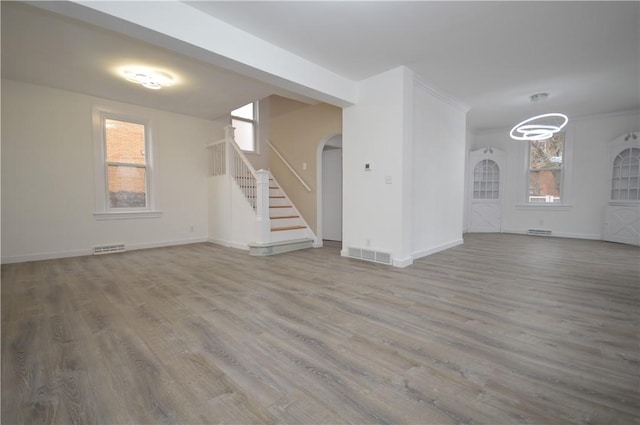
(438, 248)
(46, 256)
(82, 252)
(402, 262)
(133, 247)
(229, 244)
(590, 236)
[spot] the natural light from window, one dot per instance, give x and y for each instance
(545, 170)
(126, 164)
(243, 120)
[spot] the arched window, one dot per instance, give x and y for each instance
(486, 180)
(625, 182)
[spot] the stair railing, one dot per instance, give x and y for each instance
(285, 162)
(227, 156)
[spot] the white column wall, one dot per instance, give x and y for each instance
(377, 130)
(439, 158)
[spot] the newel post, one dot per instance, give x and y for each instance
(263, 222)
(228, 137)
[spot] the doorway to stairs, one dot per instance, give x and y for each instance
(330, 189)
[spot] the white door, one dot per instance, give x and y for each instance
(622, 211)
(332, 194)
(486, 174)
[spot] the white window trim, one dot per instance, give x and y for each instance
(256, 145)
(567, 178)
(102, 210)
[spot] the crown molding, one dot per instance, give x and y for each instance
(450, 100)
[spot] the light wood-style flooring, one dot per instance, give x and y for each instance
(505, 329)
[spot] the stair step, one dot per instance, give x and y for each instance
(276, 217)
(270, 197)
(280, 206)
(279, 247)
(280, 229)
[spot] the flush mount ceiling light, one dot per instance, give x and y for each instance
(540, 127)
(538, 97)
(150, 78)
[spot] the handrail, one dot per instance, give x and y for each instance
(212, 144)
(242, 155)
(306, 186)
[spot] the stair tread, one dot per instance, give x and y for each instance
(280, 206)
(278, 229)
(275, 217)
(280, 243)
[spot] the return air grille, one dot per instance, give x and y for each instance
(369, 255)
(539, 232)
(108, 249)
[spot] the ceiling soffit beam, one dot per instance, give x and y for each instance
(181, 28)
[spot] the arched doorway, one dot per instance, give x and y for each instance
(329, 193)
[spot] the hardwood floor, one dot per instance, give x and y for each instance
(504, 329)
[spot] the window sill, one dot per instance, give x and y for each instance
(624, 203)
(543, 207)
(126, 215)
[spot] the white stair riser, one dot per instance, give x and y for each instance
(286, 222)
(285, 235)
(281, 211)
(279, 201)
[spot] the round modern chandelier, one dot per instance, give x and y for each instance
(540, 127)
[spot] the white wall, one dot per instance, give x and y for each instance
(377, 130)
(231, 218)
(47, 176)
(589, 177)
(439, 143)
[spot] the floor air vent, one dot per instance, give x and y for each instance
(108, 249)
(538, 232)
(369, 255)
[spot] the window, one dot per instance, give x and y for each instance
(486, 180)
(125, 146)
(545, 170)
(244, 121)
(123, 166)
(625, 182)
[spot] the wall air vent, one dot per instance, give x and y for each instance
(539, 232)
(369, 255)
(108, 249)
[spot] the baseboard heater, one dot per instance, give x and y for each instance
(108, 249)
(539, 232)
(369, 255)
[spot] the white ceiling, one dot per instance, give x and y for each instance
(490, 56)
(41, 47)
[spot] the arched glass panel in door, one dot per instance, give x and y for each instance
(486, 180)
(625, 182)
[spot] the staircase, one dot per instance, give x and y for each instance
(289, 231)
(259, 216)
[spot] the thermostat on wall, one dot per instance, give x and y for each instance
(367, 166)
